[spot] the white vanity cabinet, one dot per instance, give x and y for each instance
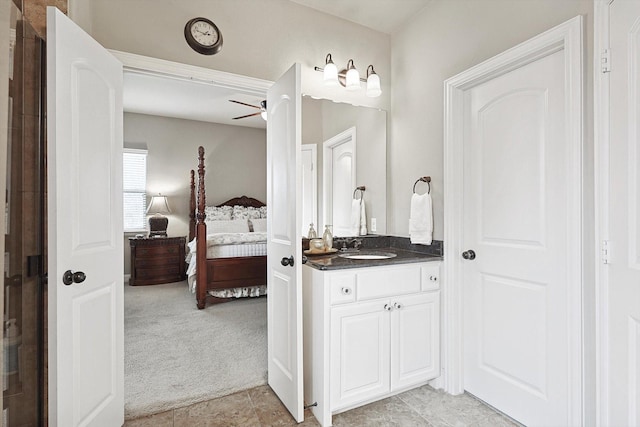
(369, 333)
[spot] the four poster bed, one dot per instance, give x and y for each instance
(227, 259)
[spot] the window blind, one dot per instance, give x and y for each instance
(134, 185)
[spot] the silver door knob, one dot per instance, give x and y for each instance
(397, 305)
(387, 307)
(469, 254)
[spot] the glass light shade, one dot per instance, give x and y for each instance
(353, 79)
(158, 205)
(330, 74)
(373, 86)
(263, 114)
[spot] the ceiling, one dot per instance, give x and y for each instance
(192, 100)
(381, 15)
(187, 99)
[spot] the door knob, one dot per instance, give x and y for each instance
(287, 261)
(470, 254)
(397, 306)
(69, 277)
(387, 307)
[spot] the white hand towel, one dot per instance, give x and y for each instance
(421, 220)
(354, 226)
(363, 218)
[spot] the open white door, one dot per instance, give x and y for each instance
(84, 172)
(622, 336)
(284, 241)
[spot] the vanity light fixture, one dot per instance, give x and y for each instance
(350, 77)
(330, 72)
(353, 77)
(373, 83)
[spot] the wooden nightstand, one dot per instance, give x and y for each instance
(157, 260)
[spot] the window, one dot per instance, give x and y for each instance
(134, 185)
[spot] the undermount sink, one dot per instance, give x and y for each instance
(369, 255)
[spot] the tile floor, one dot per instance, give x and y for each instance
(260, 407)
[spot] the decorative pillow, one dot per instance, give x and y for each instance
(230, 226)
(214, 213)
(259, 225)
(241, 212)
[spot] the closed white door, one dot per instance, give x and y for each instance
(284, 241)
(623, 334)
(415, 339)
(339, 183)
(516, 220)
(84, 173)
(359, 352)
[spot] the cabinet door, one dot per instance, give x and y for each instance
(359, 352)
(415, 339)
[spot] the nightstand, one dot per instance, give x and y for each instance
(157, 260)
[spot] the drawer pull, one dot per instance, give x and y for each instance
(346, 291)
(387, 307)
(433, 278)
(397, 305)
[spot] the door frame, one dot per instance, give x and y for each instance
(567, 37)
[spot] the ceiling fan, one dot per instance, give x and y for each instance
(262, 108)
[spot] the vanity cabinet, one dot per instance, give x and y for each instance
(369, 333)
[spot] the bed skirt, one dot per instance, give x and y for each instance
(242, 292)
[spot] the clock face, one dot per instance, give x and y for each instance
(204, 33)
(203, 36)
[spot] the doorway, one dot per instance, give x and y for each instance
(180, 117)
(514, 225)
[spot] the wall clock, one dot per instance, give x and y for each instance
(203, 36)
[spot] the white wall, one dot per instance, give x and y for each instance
(261, 38)
(444, 39)
(235, 162)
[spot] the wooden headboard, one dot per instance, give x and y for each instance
(197, 200)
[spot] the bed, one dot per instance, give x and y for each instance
(229, 262)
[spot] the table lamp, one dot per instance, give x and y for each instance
(157, 222)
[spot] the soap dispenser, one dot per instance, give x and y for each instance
(327, 237)
(312, 232)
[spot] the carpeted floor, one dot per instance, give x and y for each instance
(176, 355)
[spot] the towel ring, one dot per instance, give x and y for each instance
(362, 188)
(426, 179)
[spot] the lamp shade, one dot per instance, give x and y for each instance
(353, 77)
(330, 72)
(158, 205)
(373, 86)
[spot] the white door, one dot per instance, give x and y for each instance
(415, 339)
(516, 220)
(284, 241)
(623, 364)
(84, 173)
(359, 352)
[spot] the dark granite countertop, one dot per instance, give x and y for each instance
(405, 251)
(336, 262)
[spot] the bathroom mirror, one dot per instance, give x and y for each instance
(349, 145)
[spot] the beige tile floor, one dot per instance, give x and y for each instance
(259, 407)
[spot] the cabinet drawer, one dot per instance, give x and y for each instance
(143, 252)
(431, 277)
(375, 283)
(157, 262)
(146, 273)
(343, 288)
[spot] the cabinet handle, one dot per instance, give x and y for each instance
(397, 305)
(387, 307)
(433, 278)
(346, 291)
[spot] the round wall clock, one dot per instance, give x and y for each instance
(203, 36)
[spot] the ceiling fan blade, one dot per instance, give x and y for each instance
(248, 115)
(242, 103)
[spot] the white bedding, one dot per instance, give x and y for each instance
(226, 245)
